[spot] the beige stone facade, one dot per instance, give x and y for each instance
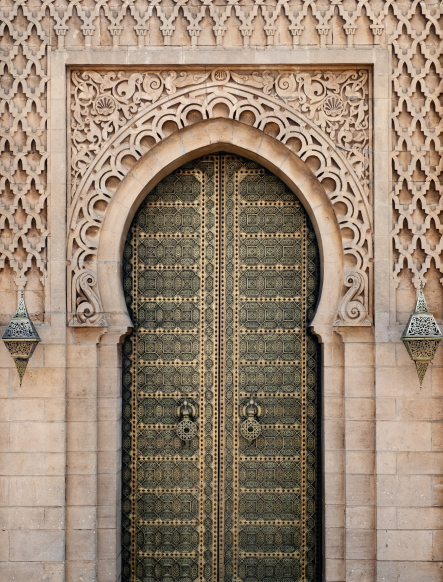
(341, 99)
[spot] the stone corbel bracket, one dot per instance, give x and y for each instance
(117, 117)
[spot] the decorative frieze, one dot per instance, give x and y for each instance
(257, 22)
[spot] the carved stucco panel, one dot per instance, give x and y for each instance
(116, 117)
(24, 37)
(416, 39)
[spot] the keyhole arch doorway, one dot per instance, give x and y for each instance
(221, 380)
(203, 138)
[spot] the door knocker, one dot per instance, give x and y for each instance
(186, 429)
(250, 428)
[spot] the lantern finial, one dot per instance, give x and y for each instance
(21, 338)
(421, 336)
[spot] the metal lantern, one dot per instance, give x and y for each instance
(20, 338)
(421, 336)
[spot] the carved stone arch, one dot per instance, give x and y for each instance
(118, 118)
(204, 138)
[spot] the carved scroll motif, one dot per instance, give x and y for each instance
(323, 116)
(352, 307)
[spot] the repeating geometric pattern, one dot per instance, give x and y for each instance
(269, 569)
(268, 220)
(169, 505)
(274, 443)
(160, 569)
(415, 35)
(170, 220)
(143, 23)
(269, 252)
(323, 116)
(269, 378)
(167, 379)
(270, 315)
(167, 347)
(168, 252)
(157, 475)
(286, 347)
(254, 506)
(168, 315)
(183, 283)
(270, 283)
(168, 539)
(163, 442)
(269, 485)
(269, 474)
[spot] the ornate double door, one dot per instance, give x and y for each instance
(220, 381)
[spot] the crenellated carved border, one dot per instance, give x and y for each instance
(116, 117)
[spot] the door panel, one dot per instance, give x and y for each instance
(269, 282)
(170, 519)
(220, 277)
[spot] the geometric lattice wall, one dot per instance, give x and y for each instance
(415, 36)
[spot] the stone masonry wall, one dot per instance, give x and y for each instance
(59, 431)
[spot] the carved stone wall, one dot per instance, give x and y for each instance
(415, 32)
(28, 28)
(229, 23)
(323, 116)
(60, 432)
(24, 37)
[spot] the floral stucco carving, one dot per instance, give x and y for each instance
(116, 117)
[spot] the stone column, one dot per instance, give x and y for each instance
(359, 419)
(109, 455)
(333, 458)
(81, 482)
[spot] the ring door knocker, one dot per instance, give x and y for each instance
(186, 429)
(250, 428)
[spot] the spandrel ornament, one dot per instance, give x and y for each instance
(21, 338)
(421, 336)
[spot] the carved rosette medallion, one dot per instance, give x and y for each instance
(323, 116)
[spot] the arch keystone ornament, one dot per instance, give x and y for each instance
(421, 336)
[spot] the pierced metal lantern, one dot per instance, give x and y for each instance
(421, 336)
(21, 338)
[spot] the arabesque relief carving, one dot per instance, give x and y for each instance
(323, 116)
(29, 28)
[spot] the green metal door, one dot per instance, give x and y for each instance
(220, 381)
